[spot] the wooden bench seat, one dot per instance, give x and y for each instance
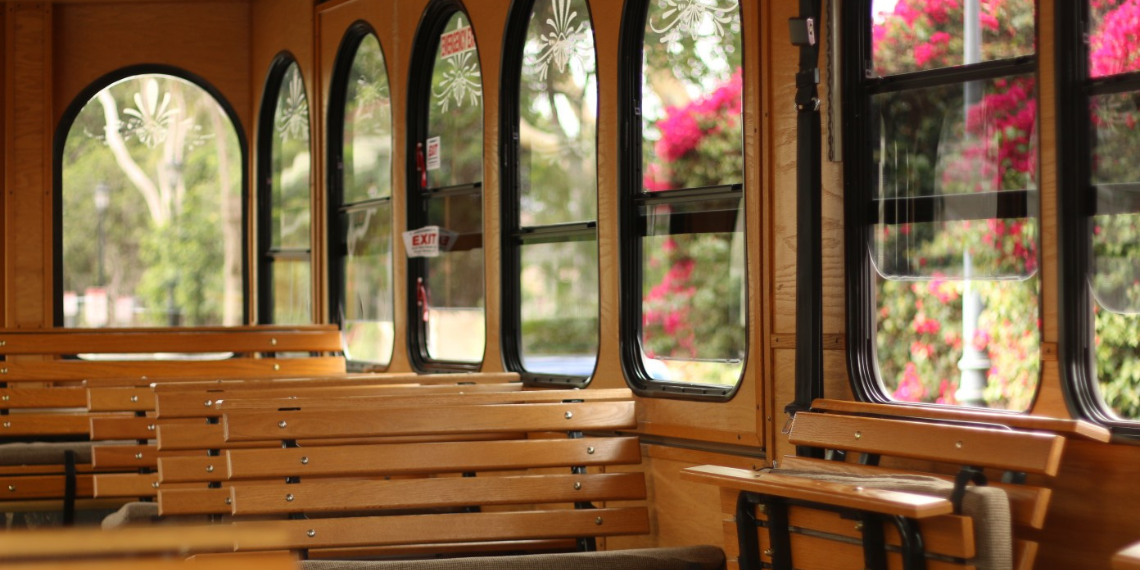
(884, 479)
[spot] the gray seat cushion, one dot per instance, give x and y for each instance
(43, 453)
(987, 506)
(683, 558)
(134, 513)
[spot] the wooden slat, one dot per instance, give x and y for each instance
(948, 535)
(445, 528)
(404, 459)
(142, 341)
(126, 485)
(253, 426)
(192, 404)
(40, 505)
(331, 379)
(556, 545)
(194, 501)
(26, 425)
(850, 496)
(1027, 503)
(327, 496)
(122, 427)
(120, 399)
(1025, 554)
(24, 398)
(251, 561)
(61, 543)
(1018, 421)
(409, 398)
(199, 436)
(132, 456)
(192, 469)
(961, 445)
(42, 487)
(123, 373)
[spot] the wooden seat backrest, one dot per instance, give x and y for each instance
(373, 484)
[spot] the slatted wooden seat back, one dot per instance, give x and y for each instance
(54, 384)
(195, 410)
(347, 476)
(861, 493)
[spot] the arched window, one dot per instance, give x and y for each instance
(150, 202)
(684, 314)
(942, 203)
(1100, 210)
(284, 167)
(445, 180)
(360, 199)
(550, 246)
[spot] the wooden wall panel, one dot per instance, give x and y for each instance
(27, 175)
(3, 150)
(210, 39)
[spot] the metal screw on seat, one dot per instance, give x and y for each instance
(289, 497)
(569, 415)
(312, 533)
(281, 424)
(304, 461)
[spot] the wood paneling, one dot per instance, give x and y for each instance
(209, 39)
(27, 191)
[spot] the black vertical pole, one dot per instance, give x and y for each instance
(805, 32)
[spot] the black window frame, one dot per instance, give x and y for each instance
(1078, 200)
(514, 235)
(861, 207)
(67, 120)
(266, 253)
(335, 206)
(632, 198)
(432, 24)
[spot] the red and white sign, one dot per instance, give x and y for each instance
(433, 153)
(428, 241)
(457, 42)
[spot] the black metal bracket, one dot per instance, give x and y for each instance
(589, 543)
(775, 511)
(966, 476)
(69, 488)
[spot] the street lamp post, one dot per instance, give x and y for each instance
(102, 200)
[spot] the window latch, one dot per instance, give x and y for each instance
(802, 31)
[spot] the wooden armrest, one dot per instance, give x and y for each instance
(893, 503)
(1127, 559)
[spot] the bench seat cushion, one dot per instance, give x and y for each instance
(683, 558)
(43, 453)
(987, 506)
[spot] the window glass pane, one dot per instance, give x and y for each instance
(693, 297)
(1115, 278)
(919, 35)
(367, 126)
(691, 95)
(291, 293)
(291, 164)
(455, 329)
(152, 208)
(560, 307)
(1113, 29)
(367, 318)
(943, 164)
(1116, 179)
(455, 111)
(926, 350)
(558, 110)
